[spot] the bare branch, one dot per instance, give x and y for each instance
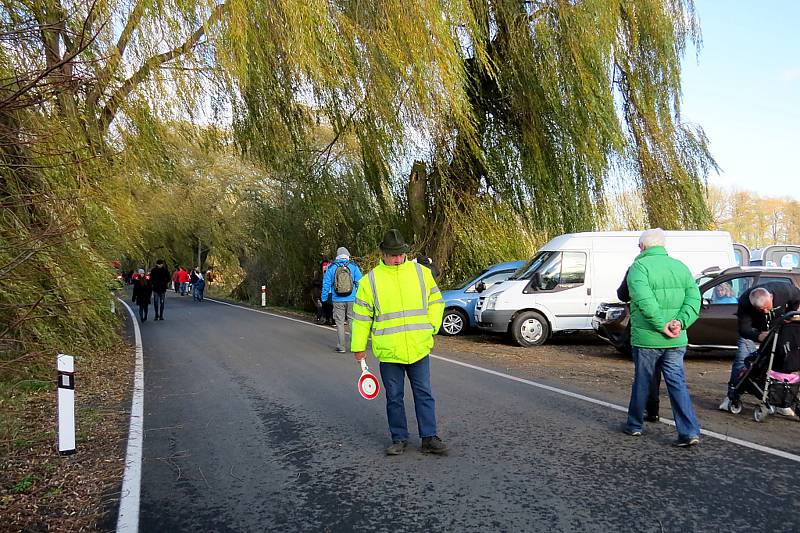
(112, 106)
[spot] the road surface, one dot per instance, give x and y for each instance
(253, 423)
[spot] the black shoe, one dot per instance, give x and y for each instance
(433, 445)
(651, 418)
(632, 432)
(397, 448)
(687, 442)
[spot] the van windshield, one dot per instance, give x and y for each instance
(526, 271)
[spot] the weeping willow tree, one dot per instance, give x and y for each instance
(70, 70)
(522, 109)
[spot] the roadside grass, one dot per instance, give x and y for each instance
(41, 490)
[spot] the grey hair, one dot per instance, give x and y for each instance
(652, 237)
(759, 296)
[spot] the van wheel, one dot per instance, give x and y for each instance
(454, 322)
(530, 329)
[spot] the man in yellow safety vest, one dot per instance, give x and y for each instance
(401, 309)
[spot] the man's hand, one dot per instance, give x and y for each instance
(762, 336)
(672, 329)
(360, 356)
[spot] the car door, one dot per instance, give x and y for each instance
(561, 289)
(717, 323)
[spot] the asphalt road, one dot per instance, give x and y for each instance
(253, 423)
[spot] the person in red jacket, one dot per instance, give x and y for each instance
(183, 279)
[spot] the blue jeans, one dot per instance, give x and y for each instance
(671, 360)
(419, 374)
(158, 303)
(744, 348)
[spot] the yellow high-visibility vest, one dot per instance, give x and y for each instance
(401, 308)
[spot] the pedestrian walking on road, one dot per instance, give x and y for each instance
(757, 310)
(199, 285)
(665, 301)
(401, 308)
(159, 279)
(183, 279)
(176, 285)
(341, 283)
(142, 290)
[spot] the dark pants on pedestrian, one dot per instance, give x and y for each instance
(158, 303)
(143, 312)
(419, 374)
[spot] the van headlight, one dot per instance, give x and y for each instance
(491, 301)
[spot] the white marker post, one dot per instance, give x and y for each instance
(263, 296)
(66, 404)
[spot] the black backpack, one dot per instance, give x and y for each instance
(343, 280)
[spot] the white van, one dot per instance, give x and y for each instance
(562, 285)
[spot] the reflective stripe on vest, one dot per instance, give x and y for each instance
(401, 314)
(399, 329)
(422, 286)
(363, 318)
(362, 303)
(371, 277)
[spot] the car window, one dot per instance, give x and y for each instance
(770, 279)
(727, 292)
(493, 278)
(573, 268)
(784, 259)
(464, 284)
(566, 269)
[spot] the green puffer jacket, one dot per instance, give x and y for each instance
(662, 289)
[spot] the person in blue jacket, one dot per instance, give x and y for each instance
(341, 282)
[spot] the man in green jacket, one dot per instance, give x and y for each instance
(665, 301)
(401, 308)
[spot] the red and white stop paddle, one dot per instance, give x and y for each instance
(368, 384)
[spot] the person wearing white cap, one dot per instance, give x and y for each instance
(142, 291)
(341, 281)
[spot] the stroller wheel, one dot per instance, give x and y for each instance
(761, 413)
(735, 407)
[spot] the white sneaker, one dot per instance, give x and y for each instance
(725, 405)
(785, 411)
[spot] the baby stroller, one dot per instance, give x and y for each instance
(768, 374)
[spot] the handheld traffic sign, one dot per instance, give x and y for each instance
(368, 384)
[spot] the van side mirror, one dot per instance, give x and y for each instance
(480, 287)
(536, 281)
(706, 303)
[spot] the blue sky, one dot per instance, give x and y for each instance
(744, 90)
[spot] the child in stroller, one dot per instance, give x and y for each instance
(772, 374)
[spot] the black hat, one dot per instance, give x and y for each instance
(393, 243)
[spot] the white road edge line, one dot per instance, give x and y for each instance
(128, 518)
(613, 406)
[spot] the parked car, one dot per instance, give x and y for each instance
(459, 311)
(560, 288)
(783, 255)
(716, 327)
